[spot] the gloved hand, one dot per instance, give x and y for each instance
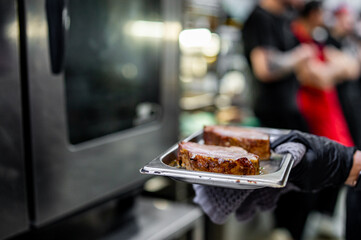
(218, 203)
(326, 163)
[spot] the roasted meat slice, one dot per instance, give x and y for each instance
(218, 159)
(253, 141)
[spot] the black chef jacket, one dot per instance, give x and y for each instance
(274, 103)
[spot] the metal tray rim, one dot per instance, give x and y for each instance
(276, 179)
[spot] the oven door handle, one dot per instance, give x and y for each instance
(56, 14)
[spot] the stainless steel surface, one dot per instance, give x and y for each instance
(160, 219)
(276, 169)
(13, 205)
(69, 177)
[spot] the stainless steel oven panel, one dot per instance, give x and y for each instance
(13, 204)
(69, 177)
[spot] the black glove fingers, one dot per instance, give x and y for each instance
(293, 136)
(326, 162)
(283, 139)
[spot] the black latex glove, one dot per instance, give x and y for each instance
(326, 162)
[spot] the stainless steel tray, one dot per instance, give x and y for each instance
(275, 170)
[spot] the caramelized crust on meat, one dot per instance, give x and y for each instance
(208, 158)
(251, 140)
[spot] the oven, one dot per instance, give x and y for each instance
(13, 199)
(98, 81)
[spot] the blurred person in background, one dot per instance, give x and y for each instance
(317, 97)
(342, 27)
(344, 37)
(271, 51)
(276, 56)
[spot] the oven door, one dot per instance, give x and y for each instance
(102, 77)
(13, 202)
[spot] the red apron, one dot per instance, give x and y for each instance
(321, 108)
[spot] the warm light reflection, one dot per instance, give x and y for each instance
(149, 29)
(12, 30)
(199, 41)
(197, 101)
(35, 29)
(172, 30)
(145, 29)
(193, 66)
(194, 38)
(232, 83)
(213, 47)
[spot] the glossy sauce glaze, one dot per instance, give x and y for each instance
(210, 158)
(251, 140)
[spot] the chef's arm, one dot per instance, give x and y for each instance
(270, 65)
(342, 65)
(339, 66)
(355, 170)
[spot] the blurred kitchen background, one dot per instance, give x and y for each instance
(93, 90)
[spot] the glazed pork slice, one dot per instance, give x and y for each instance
(249, 139)
(218, 159)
